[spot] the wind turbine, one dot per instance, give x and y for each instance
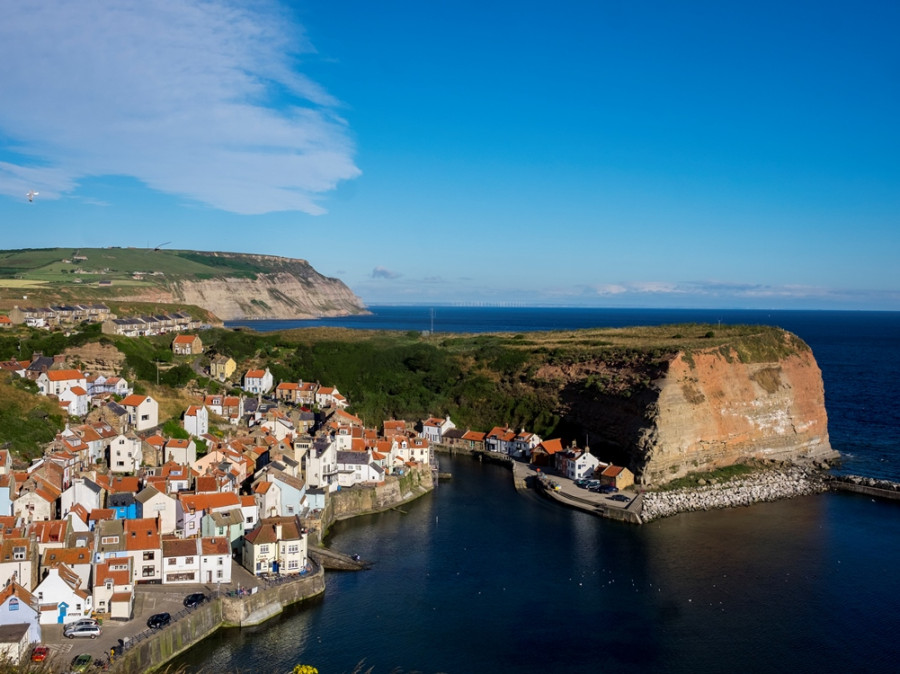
(161, 245)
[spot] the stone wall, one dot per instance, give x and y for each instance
(361, 500)
(153, 652)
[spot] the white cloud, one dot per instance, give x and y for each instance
(201, 99)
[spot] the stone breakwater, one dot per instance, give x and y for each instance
(744, 491)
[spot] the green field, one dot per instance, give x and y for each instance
(90, 265)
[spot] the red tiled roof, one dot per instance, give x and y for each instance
(64, 375)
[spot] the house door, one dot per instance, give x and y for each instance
(209, 576)
(63, 607)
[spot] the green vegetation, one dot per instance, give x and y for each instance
(27, 421)
(61, 264)
(482, 381)
(724, 474)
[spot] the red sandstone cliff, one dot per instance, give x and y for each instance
(703, 409)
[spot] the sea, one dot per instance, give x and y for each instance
(477, 577)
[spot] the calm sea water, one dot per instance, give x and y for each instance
(477, 577)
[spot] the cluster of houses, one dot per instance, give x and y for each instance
(114, 503)
(58, 315)
(571, 462)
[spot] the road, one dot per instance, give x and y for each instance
(149, 599)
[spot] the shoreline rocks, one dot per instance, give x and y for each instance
(761, 487)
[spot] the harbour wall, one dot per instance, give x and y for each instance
(153, 651)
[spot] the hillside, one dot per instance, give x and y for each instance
(665, 401)
(229, 285)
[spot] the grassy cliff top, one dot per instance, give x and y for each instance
(80, 266)
(752, 343)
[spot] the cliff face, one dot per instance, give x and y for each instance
(279, 295)
(705, 410)
(278, 288)
(714, 411)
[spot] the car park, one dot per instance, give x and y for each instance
(159, 620)
(40, 653)
(81, 631)
(194, 600)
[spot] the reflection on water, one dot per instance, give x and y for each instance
(479, 578)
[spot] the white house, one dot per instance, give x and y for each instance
(143, 411)
(357, 468)
(18, 606)
(114, 588)
(276, 545)
(258, 381)
(84, 491)
(321, 463)
(56, 382)
(181, 560)
(215, 560)
(434, 428)
(180, 451)
(125, 454)
(153, 503)
(77, 401)
(61, 597)
(196, 420)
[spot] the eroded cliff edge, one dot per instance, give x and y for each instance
(695, 410)
(251, 286)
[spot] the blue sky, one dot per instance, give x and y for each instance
(644, 154)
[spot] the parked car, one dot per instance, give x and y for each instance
(618, 497)
(158, 620)
(81, 663)
(92, 631)
(80, 623)
(194, 600)
(40, 653)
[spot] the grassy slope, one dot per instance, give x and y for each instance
(480, 380)
(120, 264)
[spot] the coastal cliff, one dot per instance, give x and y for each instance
(280, 295)
(231, 286)
(698, 410)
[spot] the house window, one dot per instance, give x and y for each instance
(109, 585)
(293, 549)
(220, 574)
(264, 549)
(148, 572)
(120, 464)
(221, 561)
(19, 553)
(149, 556)
(170, 561)
(293, 564)
(188, 560)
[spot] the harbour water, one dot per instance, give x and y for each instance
(476, 577)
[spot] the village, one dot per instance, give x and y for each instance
(115, 506)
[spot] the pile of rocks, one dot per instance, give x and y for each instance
(868, 482)
(768, 485)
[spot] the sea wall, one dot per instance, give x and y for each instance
(769, 485)
(152, 652)
(395, 490)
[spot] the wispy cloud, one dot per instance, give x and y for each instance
(199, 99)
(381, 272)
